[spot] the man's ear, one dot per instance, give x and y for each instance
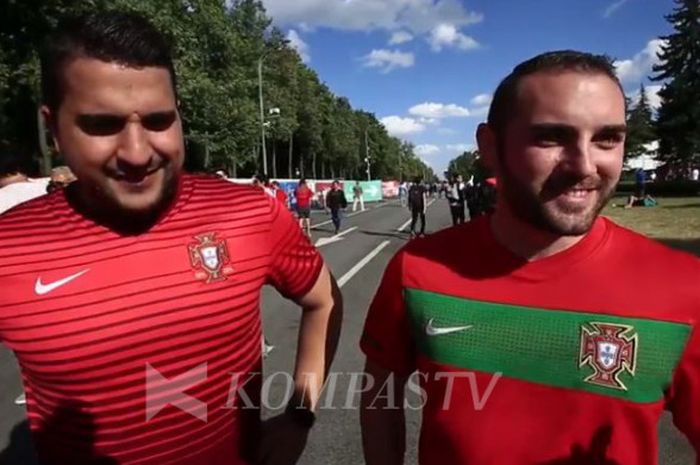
(488, 147)
(51, 123)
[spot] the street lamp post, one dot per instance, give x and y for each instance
(262, 114)
(367, 157)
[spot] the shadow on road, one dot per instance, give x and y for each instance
(396, 235)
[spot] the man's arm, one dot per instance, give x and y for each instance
(319, 332)
(382, 420)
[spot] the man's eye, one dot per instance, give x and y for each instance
(158, 122)
(547, 140)
(608, 140)
(100, 125)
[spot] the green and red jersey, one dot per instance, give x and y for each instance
(567, 359)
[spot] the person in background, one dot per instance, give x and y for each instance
(280, 194)
(336, 202)
(455, 197)
(15, 185)
(357, 196)
(417, 203)
(303, 196)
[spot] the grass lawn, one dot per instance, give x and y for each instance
(675, 222)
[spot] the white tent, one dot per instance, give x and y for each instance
(646, 161)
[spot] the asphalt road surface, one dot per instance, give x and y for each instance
(357, 258)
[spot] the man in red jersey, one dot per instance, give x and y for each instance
(137, 282)
(531, 343)
(303, 196)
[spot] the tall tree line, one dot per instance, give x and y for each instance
(219, 48)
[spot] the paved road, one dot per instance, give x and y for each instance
(372, 239)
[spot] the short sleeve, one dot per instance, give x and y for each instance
(684, 401)
(386, 339)
(295, 263)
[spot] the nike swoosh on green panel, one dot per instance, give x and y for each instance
(544, 346)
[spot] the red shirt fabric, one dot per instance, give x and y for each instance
(281, 196)
(304, 195)
(581, 351)
(95, 319)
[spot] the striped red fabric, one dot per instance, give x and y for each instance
(91, 314)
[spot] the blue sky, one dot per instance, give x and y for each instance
(427, 68)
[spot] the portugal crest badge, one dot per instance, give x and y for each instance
(210, 259)
(609, 349)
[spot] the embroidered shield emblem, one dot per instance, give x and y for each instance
(210, 258)
(610, 350)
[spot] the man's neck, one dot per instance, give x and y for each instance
(113, 217)
(526, 241)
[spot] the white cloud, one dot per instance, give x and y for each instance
(459, 148)
(438, 110)
(482, 100)
(447, 35)
(639, 67)
(402, 127)
(426, 150)
(416, 16)
(479, 112)
(388, 60)
(299, 45)
(429, 121)
(400, 37)
(612, 8)
(653, 96)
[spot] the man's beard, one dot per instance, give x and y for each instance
(541, 210)
(104, 207)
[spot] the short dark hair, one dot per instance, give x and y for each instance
(504, 99)
(11, 164)
(111, 36)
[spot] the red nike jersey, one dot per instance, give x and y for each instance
(570, 359)
(129, 345)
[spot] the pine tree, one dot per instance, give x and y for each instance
(678, 122)
(640, 126)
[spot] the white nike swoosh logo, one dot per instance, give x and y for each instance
(42, 289)
(431, 330)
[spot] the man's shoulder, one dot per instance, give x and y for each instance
(216, 188)
(444, 244)
(663, 257)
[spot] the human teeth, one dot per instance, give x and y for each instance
(577, 193)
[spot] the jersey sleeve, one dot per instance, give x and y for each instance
(295, 263)
(685, 392)
(386, 339)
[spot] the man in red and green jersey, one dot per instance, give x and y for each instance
(132, 297)
(542, 333)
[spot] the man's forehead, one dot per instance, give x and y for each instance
(568, 94)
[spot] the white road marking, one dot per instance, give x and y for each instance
(361, 264)
(338, 237)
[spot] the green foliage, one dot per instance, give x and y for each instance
(217, 47)
(678, 122)
(640, 126)
(468, 164)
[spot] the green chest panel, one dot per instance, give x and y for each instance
(630, 358)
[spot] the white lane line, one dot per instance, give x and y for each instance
(405, 225)
(350, 215)
(361, 264)
(329, 240)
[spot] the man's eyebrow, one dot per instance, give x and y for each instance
(619, 128)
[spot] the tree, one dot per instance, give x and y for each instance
(640, 126)
(678, 122)
(468, 164)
